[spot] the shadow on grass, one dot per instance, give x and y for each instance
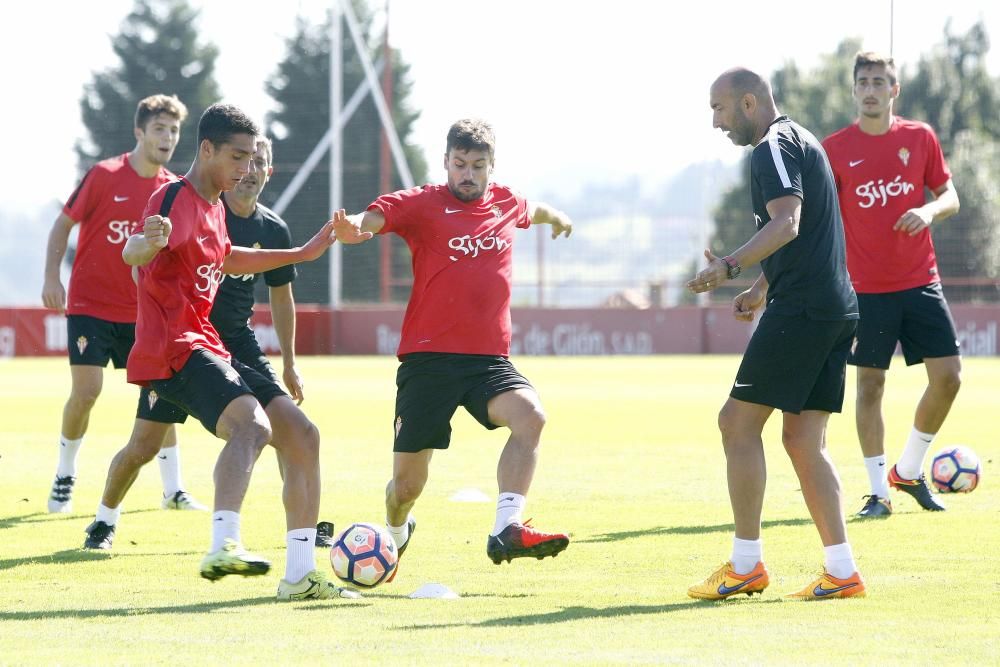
(81, 556)
(685, 530)
(580, 614)
(194, 608)
(57, 558)
(46, 517)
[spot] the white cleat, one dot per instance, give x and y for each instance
(61, 496)
(182, 500)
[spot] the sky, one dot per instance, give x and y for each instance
(578, 91)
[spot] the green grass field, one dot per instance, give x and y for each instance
(631, 467)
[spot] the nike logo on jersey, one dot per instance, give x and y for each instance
(739, 385)
(201, 239)
(451, 210)
(120, 199)
(854, 163)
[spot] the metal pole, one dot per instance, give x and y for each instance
(385, 167)
(336, 145)
(319, 150)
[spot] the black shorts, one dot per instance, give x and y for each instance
(917, 318)
(246, 350)
(793, 363)
(430, 386)
(206, 384)
(92, 341)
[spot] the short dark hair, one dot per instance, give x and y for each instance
(222, 121)
(870, 58)
(471, 134)
(265, 143)
(152, 106)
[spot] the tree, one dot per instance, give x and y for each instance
(953, 92)
(300, 87)
(159, 53)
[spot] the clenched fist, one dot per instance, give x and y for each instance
(156, 230)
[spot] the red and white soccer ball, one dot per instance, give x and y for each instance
(364, 555)
(955, 469)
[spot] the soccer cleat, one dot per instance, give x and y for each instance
(829, 586)
(324, 534)
(400, 548)
(875, 508)
(182, 500)
(917, 488)
(313, 586)
(232, 558)
(724, 583)
(99, 535)
(519, 540)
(61, 497)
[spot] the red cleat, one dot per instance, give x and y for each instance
(521, 540)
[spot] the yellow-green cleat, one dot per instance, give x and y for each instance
(313, 586)
(232, 558)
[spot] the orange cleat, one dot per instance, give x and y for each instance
(724, 583)
(829, 586)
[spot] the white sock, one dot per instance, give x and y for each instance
(399, 533)
(878, 475)
(509, 508)
(300, 553)
(911, 463)
(746, 555)
(224, 524)
(840, 561)
(108, 515)
(68, 451)
(169, 459)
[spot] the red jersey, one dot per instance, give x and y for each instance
(462, 266)
(107, 204)
(177, 288)
(879, 178)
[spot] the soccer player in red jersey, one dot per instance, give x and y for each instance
(100, 313)
(883, 164)
(456, 333)
(182, 252)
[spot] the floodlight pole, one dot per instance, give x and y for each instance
(336, 146)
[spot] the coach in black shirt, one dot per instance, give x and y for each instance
(796, 359)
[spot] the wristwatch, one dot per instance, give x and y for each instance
(733, 267)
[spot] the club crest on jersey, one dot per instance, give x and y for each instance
(81, 343)
(152, 398)
(496, 211)
(399, 424)
(904, 155)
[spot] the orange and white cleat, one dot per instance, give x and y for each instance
(829, 586)
(725, 582)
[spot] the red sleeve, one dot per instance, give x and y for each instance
(396, 207)
(179, 231)
(936, 172)
(84, 199)
(523, 217)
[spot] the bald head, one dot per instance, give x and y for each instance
(743, 105)
(740, 81)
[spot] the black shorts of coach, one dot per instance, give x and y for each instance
(430, 386)
(918, 319)
(794, 363)
(92, 341)
(205, 385)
